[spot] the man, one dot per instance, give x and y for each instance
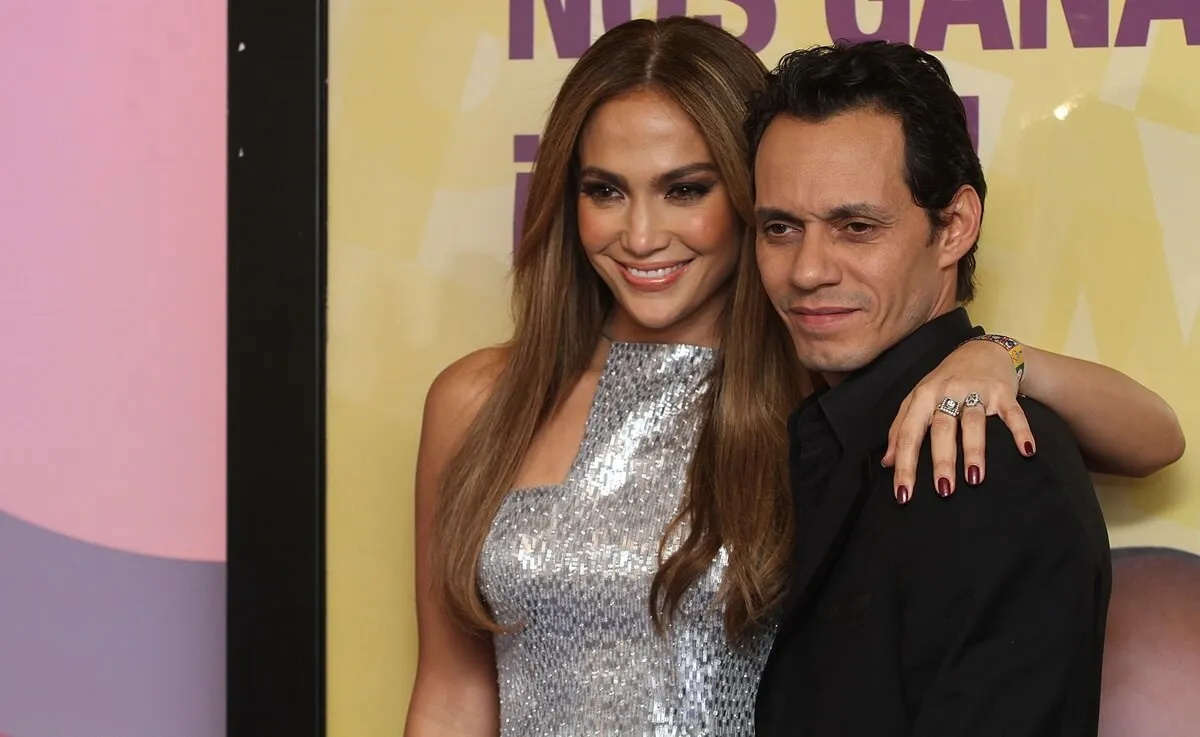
(982, 616)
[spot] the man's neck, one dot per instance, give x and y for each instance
(943, 306)
(854, 406)
(833, 379)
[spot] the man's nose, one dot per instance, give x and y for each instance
(814, 263)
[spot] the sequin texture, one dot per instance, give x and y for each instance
(570, 567)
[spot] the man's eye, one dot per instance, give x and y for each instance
(777, 229)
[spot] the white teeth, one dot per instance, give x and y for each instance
(654, 273)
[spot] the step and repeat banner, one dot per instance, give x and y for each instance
(1086, 115)
(112, 372)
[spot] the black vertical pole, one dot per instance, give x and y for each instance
(276, 365)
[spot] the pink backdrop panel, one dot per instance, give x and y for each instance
(112, 272)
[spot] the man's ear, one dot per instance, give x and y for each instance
(962, 217)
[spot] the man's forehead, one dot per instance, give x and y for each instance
(853, 158)
(854, 138)
(821, 189)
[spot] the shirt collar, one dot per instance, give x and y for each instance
(850, 405)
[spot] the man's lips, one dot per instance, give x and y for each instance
(821, 317)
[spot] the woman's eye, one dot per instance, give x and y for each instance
(688, 191)
(601, 192)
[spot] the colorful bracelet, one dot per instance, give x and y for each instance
(1015, 351)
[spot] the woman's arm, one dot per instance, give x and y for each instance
(1123, 428)
(455, 693)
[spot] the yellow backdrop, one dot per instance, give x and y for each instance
(1090, 246)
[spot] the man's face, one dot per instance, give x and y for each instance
(849, 260)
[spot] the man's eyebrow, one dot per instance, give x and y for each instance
(856, 210)
(847, 211)
(763, 214)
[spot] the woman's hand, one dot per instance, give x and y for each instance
(978, 367)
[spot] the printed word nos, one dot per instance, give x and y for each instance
(570, 22)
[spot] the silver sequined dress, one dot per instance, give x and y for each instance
(571, 565)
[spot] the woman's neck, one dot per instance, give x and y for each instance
(700, 327)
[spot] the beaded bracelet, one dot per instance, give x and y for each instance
(1015, 351)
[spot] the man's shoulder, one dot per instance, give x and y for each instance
(1056, 447)
(1056, 455)
(1041, 417)
(1034, 513)
(1053, 482)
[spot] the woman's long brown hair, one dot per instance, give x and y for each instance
(737, 496)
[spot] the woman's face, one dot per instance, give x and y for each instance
(656, 220)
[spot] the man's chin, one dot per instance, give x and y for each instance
(819, 359)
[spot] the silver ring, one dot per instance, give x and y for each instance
(950, 406)
(972, 400)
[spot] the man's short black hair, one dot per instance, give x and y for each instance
(819, 83)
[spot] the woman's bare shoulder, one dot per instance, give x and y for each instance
(460, 390)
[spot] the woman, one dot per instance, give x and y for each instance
(603, 518)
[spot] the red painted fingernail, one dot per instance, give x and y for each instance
(1028, 448)
(973, 475)
(902, 495)
(943, 487)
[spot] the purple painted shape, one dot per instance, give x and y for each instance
(570, 27)
(570, 23)
(520, 199)
(971, 107)
(1135, 20)
(761, 19)
(895, 25)
(616, 12)
(98, 641)
(1087, 22)
(525, 146)
(988, 15)
(672, 8)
